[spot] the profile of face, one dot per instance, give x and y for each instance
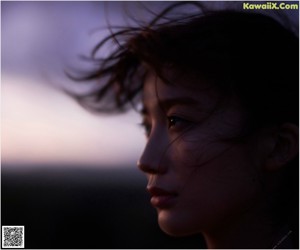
(199, 180)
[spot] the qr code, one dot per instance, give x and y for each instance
(13, 236)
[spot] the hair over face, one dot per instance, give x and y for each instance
(243, 54)
(248, 55)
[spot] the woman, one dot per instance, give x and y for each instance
(219, 91)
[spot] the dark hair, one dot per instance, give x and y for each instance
(245, 54)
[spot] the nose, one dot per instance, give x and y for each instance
(153, 158)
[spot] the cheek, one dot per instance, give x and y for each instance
(215, 185)
(207, 141)
(225, 186)
(197, 148)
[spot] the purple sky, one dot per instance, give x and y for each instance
(41, 124)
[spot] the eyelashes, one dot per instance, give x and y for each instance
(173, 124)
(146, 126)
(176, 122)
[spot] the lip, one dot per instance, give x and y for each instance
(162, 198)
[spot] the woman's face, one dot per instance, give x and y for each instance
(198, 182)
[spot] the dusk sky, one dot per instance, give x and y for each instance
(40, 124)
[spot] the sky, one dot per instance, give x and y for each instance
(40, 125)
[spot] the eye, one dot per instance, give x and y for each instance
(176, 122)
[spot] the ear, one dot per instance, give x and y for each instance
(285, 147)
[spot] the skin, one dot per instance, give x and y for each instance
(221, 186)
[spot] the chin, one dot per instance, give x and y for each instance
(176, 226)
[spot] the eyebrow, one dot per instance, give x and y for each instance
(168, 103)
(184, 101)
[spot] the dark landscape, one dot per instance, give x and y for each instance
(83, 208)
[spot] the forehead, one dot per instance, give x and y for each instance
(179, 87)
